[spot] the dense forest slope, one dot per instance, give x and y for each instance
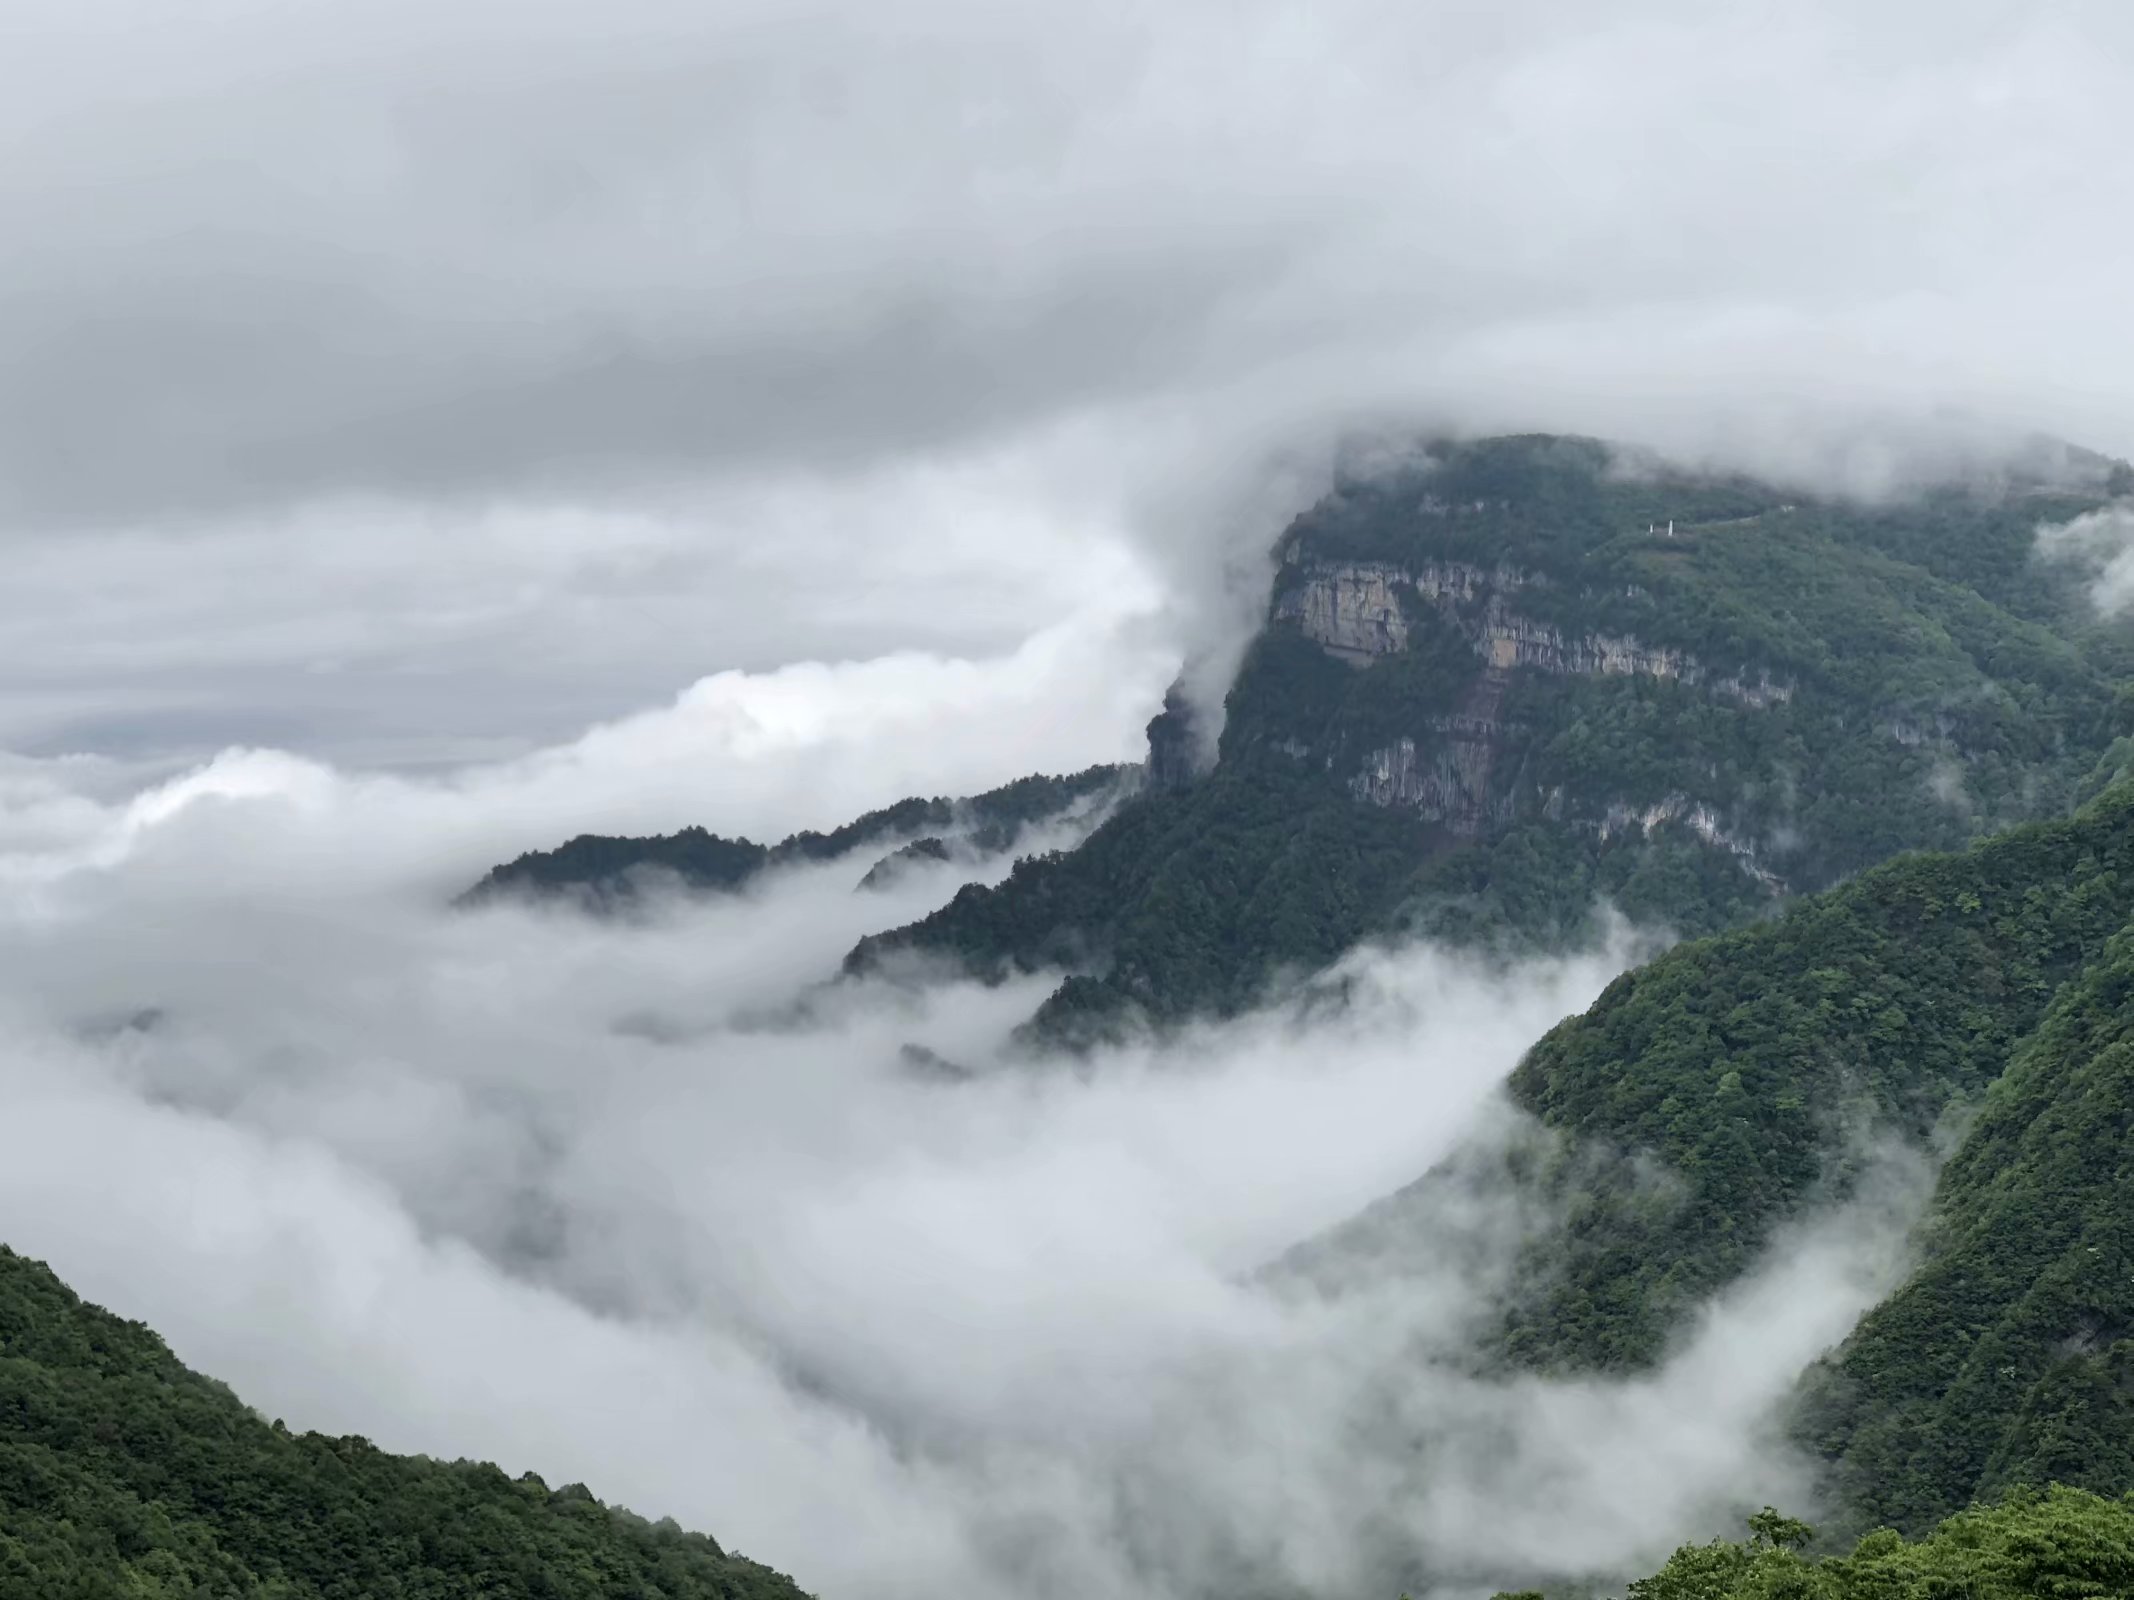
(603, 870)
(2009, 1358)
(124, 1475)
(1744, 1064)
(1511, 678)
(1738, 1082)
(2061, 1545)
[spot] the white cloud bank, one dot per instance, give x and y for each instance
(588, 1199)
(2102, 544)
(807, 745)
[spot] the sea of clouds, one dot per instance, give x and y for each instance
(645, 1203)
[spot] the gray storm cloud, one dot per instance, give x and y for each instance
(564, 354)
(476, 247)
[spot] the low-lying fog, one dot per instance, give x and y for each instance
(597, 1199)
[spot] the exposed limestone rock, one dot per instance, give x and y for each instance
(1513, 641)
(1701, 820)
(1352, 611)
(1445, 773)
(1464, 581)
(1448, 783)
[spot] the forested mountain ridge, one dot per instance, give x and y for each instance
(1510, 679)
(1740, 1083)
(2009, 1358)
(125, 1475)
(600, 871)
(1742, 1063)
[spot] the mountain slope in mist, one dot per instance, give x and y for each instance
(2009, 1358)
(600, 870)
(1501, 681)
(1738, 1083)
(1737, 1071)
(122, 1473)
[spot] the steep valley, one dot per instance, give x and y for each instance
(1863, 774)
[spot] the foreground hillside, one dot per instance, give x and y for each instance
(2062, 1545)
(1511, 679)
(2009, 1358)
(123, 1474)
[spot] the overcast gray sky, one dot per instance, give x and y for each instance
(413, 382)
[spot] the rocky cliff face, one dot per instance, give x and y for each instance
(1447, 777)
(1461, 768)
(1701, 820)
(1353, 612)
(1446, 780)
(1356, 611)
